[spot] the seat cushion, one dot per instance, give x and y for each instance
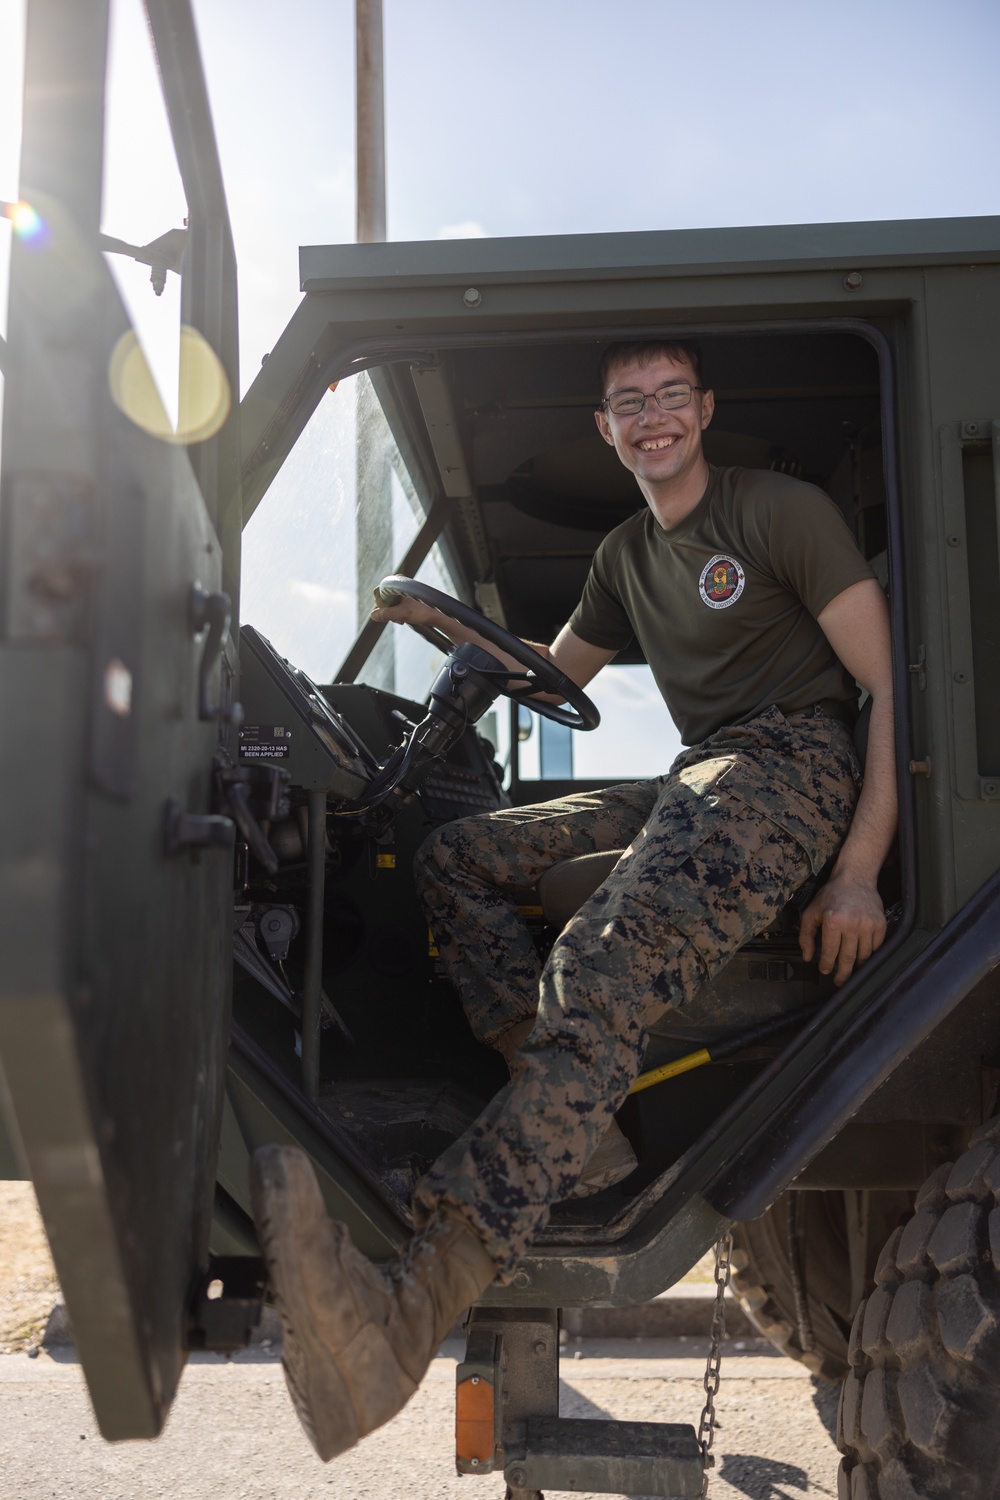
(563, 889)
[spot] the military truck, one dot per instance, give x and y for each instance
(211, 935)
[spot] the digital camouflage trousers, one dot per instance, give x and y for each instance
(715, 849)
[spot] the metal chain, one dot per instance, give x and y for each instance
(713, 1368)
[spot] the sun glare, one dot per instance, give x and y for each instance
(204, 400)
(27, 222)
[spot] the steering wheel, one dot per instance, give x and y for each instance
(539, 676)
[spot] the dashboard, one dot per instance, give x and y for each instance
(333, 739)
(288, 723)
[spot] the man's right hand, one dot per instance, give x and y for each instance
(407, 611)
(577, 658)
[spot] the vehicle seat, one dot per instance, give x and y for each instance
(563, 889)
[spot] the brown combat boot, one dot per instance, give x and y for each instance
(357, 1338)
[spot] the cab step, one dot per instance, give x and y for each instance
(605, 1457)
(507, 1420)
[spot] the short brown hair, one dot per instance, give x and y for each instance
(643, 352)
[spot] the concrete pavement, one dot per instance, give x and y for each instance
(232, 1434)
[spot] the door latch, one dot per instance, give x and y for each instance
(183, 830)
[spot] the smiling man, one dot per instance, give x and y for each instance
(804, 616)
(758, 615)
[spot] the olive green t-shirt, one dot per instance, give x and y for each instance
(724, 604)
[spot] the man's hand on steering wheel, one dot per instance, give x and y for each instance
(406, 611)
(433, 624)
(448, 623)
(440, 629)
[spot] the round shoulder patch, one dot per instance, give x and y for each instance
(722, 582)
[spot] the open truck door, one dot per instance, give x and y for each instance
(119, 574)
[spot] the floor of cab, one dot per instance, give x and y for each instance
(403, 1125)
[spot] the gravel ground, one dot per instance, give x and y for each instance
(28, 1286)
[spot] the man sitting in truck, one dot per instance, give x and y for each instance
(758, 615)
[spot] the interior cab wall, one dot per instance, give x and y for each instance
(549, 488)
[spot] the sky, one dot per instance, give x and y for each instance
(551, 116)
(541, 117)
(565, 116)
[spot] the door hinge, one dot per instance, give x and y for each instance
(917, 668)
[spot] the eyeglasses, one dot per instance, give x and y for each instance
(668, 398)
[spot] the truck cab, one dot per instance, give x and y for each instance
(213, 936)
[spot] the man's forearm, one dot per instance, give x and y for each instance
(577, 659)
(413, 611)
(462, 635)
(425, 616)
(873, 827)
(847, 912)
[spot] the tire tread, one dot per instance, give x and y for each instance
(920, 1408)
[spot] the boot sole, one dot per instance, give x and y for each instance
(318, 1391)
(611, 1163)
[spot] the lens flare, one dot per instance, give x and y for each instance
(204, 397)
(27, 221)
(133, 388)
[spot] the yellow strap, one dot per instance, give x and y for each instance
(671, 1070)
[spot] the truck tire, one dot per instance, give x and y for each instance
(763, 1283)
(920, 1409)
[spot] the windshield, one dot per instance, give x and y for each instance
(340, 515)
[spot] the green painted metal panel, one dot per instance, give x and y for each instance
(114, 991)
(257, 1115)
(565, 258)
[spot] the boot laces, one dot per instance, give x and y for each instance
(422, 1243)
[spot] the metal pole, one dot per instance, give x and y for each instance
(374, 496)
(312, 987)
(369, 55)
